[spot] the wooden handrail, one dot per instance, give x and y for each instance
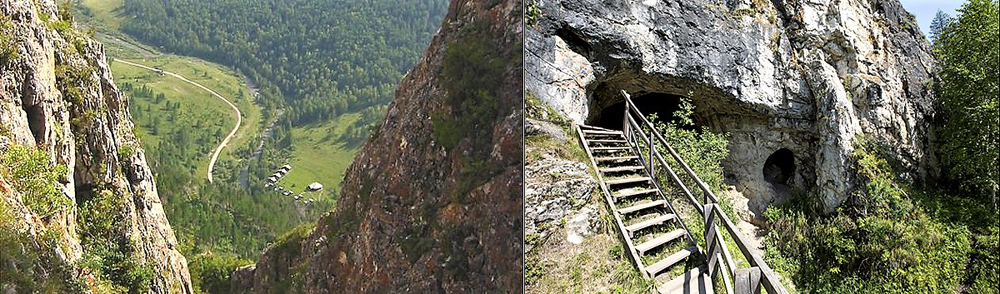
(768, 278)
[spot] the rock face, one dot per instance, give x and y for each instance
(553, 189)
(806, 76)
(57, 94)
(424, 211)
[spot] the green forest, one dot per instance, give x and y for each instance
(313, 66)
(314, 59)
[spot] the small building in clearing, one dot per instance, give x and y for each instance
(315, 187)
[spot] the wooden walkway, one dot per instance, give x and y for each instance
(631, 168)
(656, 238)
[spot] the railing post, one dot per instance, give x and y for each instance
(652, 172)
(711, 243)
(748, 280)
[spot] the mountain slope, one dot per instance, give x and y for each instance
(432, 202)
(57, 97)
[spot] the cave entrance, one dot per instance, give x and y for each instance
(779, 168)
(663, 105)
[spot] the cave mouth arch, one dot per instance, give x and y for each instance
(661, 104)
(779, 168)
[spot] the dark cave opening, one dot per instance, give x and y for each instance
(663, 105)
(779, 168)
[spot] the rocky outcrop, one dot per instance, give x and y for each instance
(554, 189)
(806, 76)
(432, 202)
(57, 94)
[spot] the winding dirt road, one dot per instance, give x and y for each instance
(239, 115)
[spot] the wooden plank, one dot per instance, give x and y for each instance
(629, 180)
(669, 261)
(592, 128)
(643, 206)
(748, 280)
(611, 204)
(770, 281)
(658, 241)
(613, 158)
(635, 193)
(621, 169)
(650, 222)
(606, 149)
(606, 141)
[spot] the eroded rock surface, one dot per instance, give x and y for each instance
(807, 76)
(422, 211)
(554, 188)
(58, 95)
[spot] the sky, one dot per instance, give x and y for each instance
(925, 10)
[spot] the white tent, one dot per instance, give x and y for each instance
(315, 186)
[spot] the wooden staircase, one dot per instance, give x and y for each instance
(657, 240)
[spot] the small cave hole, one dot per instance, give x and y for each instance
(779, 167)
(663, 105)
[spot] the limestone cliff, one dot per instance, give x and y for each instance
(793, 82)
(432, 203)
(57, 94)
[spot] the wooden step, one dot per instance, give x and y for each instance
(621, 169)
(610, 148)
(601, 134)
(669, 261)
(693, 281)
(596, 128)
(628, 181)
(635, 193)
(606, 141)
(649, 223)
(656, 242)
(643, 206)
(616, 158)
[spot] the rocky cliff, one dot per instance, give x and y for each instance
(793, 82)
(433, 201)
(57, 95)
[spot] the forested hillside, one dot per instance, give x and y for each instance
(320, 58)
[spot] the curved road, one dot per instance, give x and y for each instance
(239, 115)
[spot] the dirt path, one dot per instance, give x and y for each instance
(239, 115)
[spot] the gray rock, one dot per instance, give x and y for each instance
(554, 187)
(581, 225)
(807, 76)
(543, 128)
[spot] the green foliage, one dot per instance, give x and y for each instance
(886, 239)
(316, 59)
(531, 12)
(8, 49)
(210, 273)
(30, 264)
(969, 48)
(107, 251)
(984, 268)
(469, 71)
(703, 150)
(31, 173)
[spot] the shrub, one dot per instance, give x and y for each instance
(107, 251)
(29, 264)
(210, 272)
(31, 174)
(881, 241)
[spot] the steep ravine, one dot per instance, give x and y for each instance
(432, 202)
(57, 95)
